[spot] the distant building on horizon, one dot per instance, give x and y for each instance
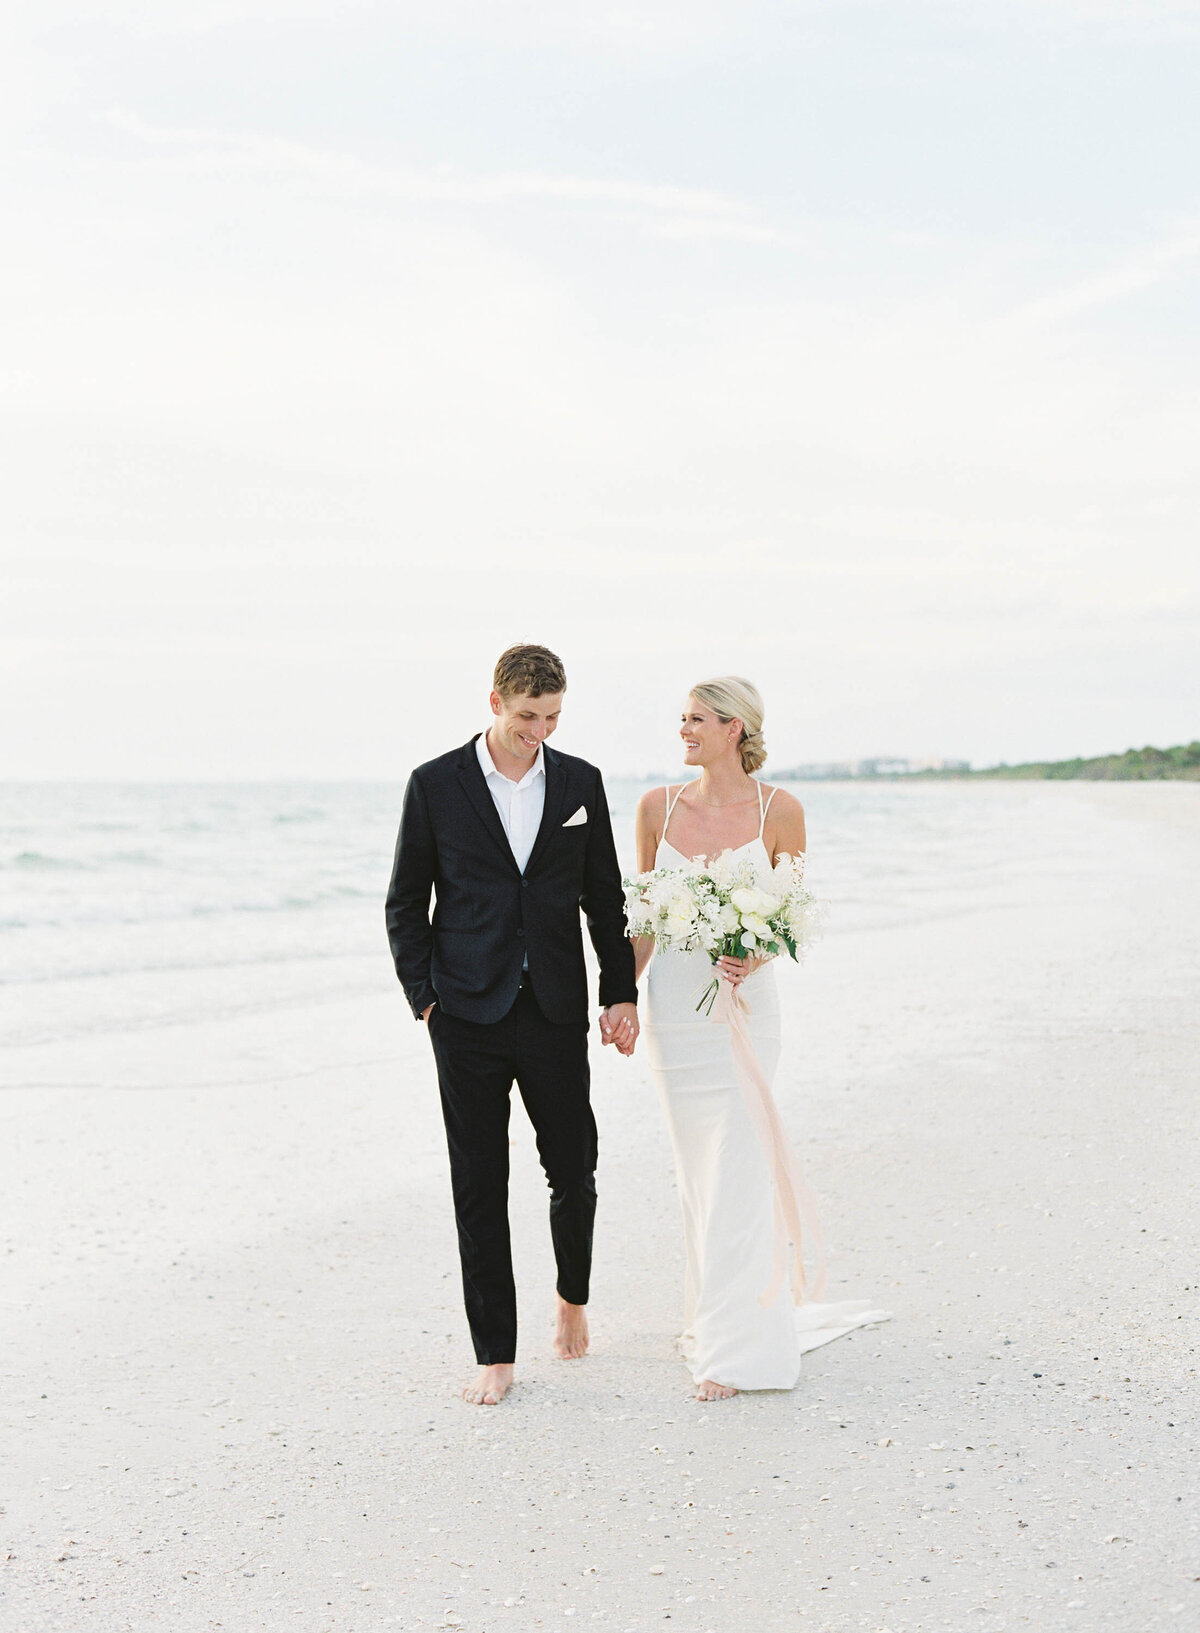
(878, 766)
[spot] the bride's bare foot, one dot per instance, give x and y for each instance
(709, 1391)
(571, 1332)
(491, 1386)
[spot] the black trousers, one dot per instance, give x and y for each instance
(477, 1066)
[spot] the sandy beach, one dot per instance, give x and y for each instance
(233, 1333)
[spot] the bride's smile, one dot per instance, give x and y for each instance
(705, 736)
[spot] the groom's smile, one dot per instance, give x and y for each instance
(520, 727)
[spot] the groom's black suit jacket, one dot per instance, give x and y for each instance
(489, 918)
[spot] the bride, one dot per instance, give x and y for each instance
(732, 1339)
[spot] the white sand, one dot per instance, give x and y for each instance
(233, 1331)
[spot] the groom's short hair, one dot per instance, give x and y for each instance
(529, 671)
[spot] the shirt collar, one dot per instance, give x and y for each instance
(489, 768)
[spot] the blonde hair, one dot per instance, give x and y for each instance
(732, 698)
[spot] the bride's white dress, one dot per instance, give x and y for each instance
(724, 1182)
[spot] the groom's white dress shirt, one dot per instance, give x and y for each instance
(520, 804)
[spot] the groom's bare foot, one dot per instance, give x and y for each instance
(709, 1391)
(491, 1386)
(571, 1333)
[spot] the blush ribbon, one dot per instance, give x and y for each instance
(795, 1211)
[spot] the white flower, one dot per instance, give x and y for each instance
(678, 923)
(796, 914)
(724, 871)
(721, 907)
(752, 900)
(672, 897)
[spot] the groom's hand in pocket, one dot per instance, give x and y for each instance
(619, 1025)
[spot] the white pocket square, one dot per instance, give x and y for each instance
(577, 820)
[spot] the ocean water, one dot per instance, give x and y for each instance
(132, 906)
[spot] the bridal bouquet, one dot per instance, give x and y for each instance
(721, 909)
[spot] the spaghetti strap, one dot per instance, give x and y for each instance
(763, 809)
(671, 803)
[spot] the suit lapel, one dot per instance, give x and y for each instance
(476, 789)
(556, 788)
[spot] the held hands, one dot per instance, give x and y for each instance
(619, 1025)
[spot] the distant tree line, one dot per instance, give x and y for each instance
(1135, 765)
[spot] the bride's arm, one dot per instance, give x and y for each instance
(785, 835)
(651, 809)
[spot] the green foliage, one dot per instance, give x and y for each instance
(1135, 765)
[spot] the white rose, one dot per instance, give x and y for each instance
(679, 923)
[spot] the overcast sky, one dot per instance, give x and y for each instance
(852, 346)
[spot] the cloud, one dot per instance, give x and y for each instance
(650, 26)
(1137, 11)
(248, 151)
(1153, 264)
(36, 81)
(283, 403)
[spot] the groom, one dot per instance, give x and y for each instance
(515, 839)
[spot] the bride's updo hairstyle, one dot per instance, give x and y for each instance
(732, 698)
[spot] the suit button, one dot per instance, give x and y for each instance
(520, 932)
(524, 884)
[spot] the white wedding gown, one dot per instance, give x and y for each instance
(724, 1182)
